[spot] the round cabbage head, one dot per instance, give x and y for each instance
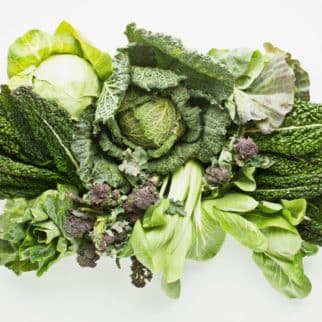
(63, 68)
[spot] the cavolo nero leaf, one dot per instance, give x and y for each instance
(202, 71)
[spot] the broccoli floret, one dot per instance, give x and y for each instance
(246, 148)
(77, 226)
(217, 175)
(141, 199)
(140, 274)
(87, 256)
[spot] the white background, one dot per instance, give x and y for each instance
(227, 288)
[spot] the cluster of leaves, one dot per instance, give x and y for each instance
(31, 231)
(164, 162)
(35, 139)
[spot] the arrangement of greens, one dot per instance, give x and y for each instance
(155, 154)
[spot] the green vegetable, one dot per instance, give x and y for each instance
(287, 277)
(295, 145)
(311, 227)
(265, 87)
(149, 107)
(93, 167)
(202, 72)
(32, 231)
(63, 68)
(35, 144)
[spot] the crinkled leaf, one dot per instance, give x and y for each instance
(215, 124)
(93, 168)
(202, 71)
(113, 91)
(154, 78)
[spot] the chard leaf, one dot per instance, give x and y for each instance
(207, 236)
(269, 98)
(285, 276)
(241, 229)
(171, 289)
(244, 179)
(202, 71)
(283, 238)
(154, 78)
(236, 202)
(294, 210)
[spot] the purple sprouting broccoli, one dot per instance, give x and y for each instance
(77, 226)
(217, 175)
(140, 199)
(101, 195)
(140, 274)
(246, 148)
(87, 256)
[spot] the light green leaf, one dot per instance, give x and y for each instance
(236, 202)
(241, 229)
(269, 207)
(285, 276)
(141, 247)
(171, 289)
(294, 210)
(207, 236)
(244, 179)
(34, 47)
(101, 61)
(283, 238)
